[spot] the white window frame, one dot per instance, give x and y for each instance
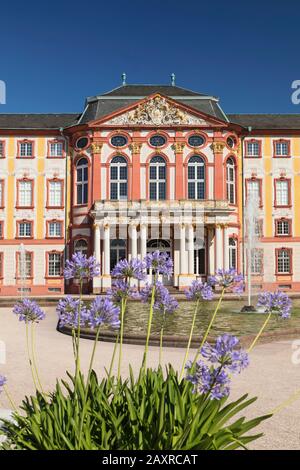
(23, 227)
(118, 163)
(282, 192)
(82, 185)
(53, 264)
(55, 193)
(56, 149)
(284, 258)
(25, 193)
(157, 162)
(56, 224)
(196, 161)
(230, 180)
(24, 149)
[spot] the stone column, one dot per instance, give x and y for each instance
(182, 250)
(219, 246)
(226, 247)
(133, 240)
(211, 251)
(97, 254)
(191, 248)
(143, 235)
(106, 280)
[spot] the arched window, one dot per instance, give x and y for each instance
(81, 246)
(118, 178)
(232, 253)
(157, 189)
(230, 180)
(196, 178)
(82, 181)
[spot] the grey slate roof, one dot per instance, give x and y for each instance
(36, 121)
(266, 121)
(144, 90)
(126, 95)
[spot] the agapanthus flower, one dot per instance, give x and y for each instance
(3, 381)
(103, 312)
(199, 290)
(209, 380)
(277, 302)
(82, 268)
(228, 279)
(120, 289)
(133, 269)
(163, 301)
(226, 351)
(225, 357)
(28, 311)
(69, 309)
(159, 263)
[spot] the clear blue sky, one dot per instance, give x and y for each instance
(55, 53)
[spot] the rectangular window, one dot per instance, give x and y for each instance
(26, 149)
(282, 193)
(2, 149)
(283, 227)
(258, 229)
(24, 265)
(25, 229)
(257, 261)
(281, 149)
(25, 194)
(284, 261)
(252, 149)
(54, 229)
(54, 264)
(253, 190)
(55, 194)
(56, 149)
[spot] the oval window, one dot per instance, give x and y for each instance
(118, 140)
(230, 142)
(157, 140)
(82, 142)
(196, 140)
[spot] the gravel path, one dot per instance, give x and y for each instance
(272, 376)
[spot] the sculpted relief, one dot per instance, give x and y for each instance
(156, 111)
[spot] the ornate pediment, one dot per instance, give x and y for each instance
(158, 112)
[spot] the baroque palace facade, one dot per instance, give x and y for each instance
(147, 167)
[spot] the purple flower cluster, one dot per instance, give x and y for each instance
(163, 301)
(3, 381)
(73, 312)
(82, 268)
(199, 290)
(103, 311)
(120, 289)
(225, 352)
(159, 263)
(28, 311)
(277, 302)
(133, 269)
(225, 357)
(228, 279)
(69, 310)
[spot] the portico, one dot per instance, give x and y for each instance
(194, 234)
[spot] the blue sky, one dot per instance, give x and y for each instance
(52, 57)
